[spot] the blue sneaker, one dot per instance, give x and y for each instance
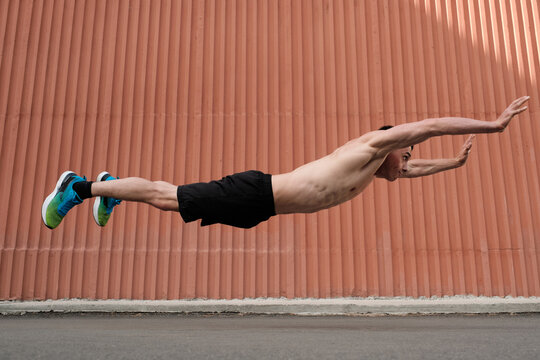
(61, 200)
(103, 206)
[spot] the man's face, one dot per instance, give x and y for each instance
(395, 164)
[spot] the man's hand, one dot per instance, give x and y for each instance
(465, 150)
(511, 111)
(421, 167)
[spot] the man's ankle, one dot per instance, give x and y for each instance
(83, 189)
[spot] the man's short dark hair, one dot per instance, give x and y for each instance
(386, 127)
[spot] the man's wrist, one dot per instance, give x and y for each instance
(459, 162)
(497, 125)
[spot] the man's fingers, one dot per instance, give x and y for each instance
(520, 110)
(467, 146)
(468, 143)
(524, 100)
(520, 101)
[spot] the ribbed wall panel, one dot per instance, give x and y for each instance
(187, 91)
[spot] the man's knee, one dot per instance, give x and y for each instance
(163, 187)
(164, 196)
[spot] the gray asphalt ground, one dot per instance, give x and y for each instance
(166, 336)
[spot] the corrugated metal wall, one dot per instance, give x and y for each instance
(193, 90)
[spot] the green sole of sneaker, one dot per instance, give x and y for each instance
(101, 177)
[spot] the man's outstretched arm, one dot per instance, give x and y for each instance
(405, 135)
(421, 167)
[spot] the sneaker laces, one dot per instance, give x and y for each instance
(70, 203)
(65, 207)
(111, 203)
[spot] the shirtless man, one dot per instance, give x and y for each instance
(245, 199)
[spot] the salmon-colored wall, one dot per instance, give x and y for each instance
(188, 91)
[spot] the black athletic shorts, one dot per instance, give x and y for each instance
(242, 200)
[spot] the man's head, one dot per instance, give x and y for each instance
(395, 163)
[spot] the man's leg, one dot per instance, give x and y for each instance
(71, 190)
(159, 194)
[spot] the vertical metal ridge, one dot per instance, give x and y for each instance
(458, 29)
(105, 141)
(239, 151)
(114, 164)
(155, 138)
(305, 284)
(455, 271)
(7, 147)
(58, 84)
(217, 123)
(56, 125)
(28, 164)
(197, 72)
(12, 256)
(445, 201)
(493, 166)
(135, 102)
(250, 272)
(130, 264)
(394, 39)
(141, 215)
(30, 256)
(147, 239)
(273, 140)
(286, 149)
(411, 258)
(437, 97)
(44, 241)
(169, 229)
(341, 136)
(125, 220)
(91, 61)
(186, 80)
(61, 267)
(77, 102)
(494, 149)
(464, 207)
(347, 35)
(311, 234)
(179, 144)
(205, 145)
(392, 107)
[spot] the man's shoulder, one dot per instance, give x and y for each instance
(362, 146)
(355, 155)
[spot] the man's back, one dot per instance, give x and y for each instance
(328, 181)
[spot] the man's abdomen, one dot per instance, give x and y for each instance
(295, 194)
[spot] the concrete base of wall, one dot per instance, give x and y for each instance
(340, 306)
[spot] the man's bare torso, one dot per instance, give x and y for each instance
(328, 181)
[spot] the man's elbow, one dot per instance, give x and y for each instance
(411, 173)
(434, 127)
